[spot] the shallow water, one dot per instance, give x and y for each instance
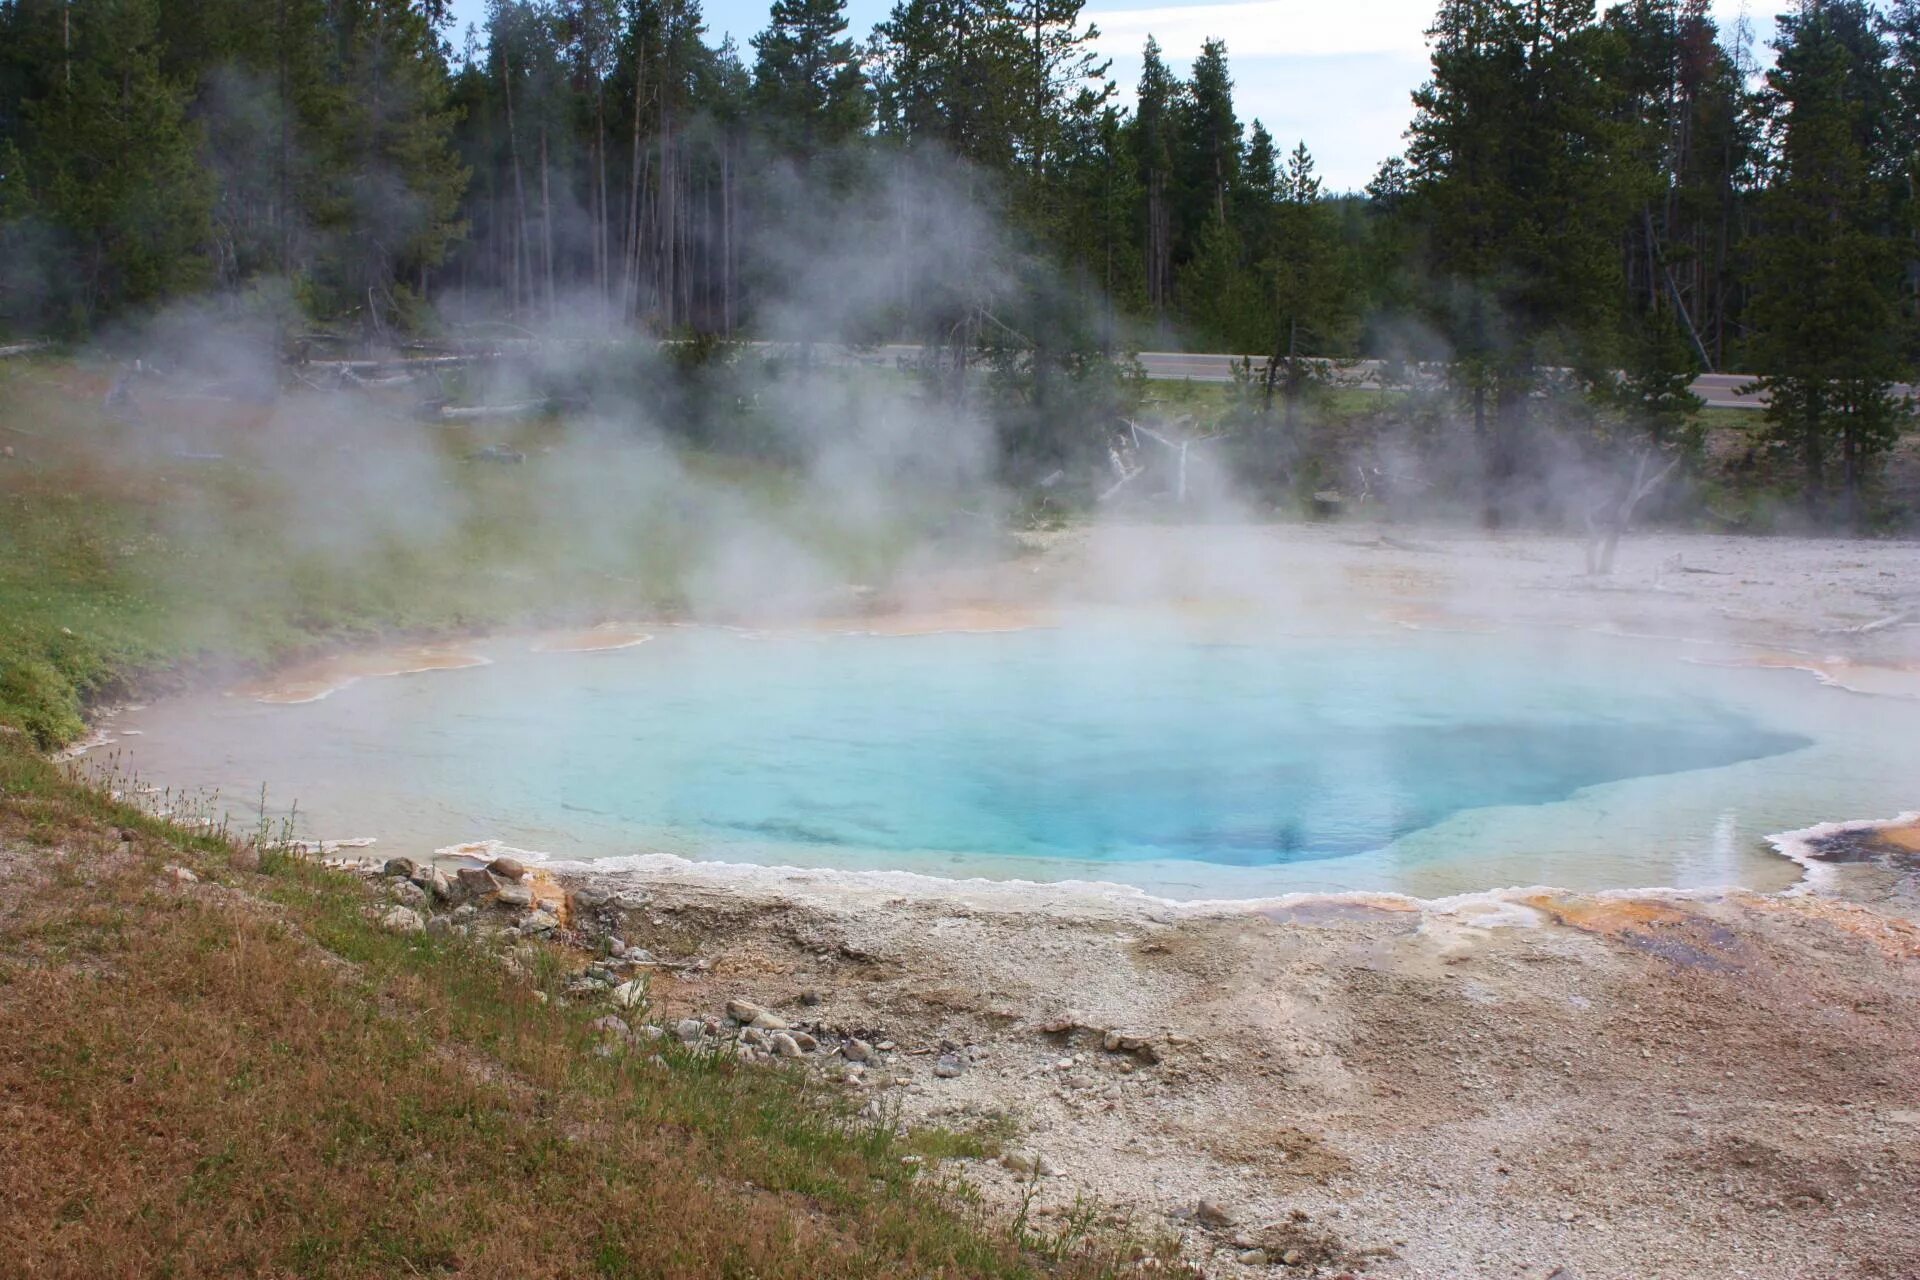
(1191, 763)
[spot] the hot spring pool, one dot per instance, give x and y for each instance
(1127, 750)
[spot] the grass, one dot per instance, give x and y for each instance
(244, 1075)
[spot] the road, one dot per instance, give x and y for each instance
(1717, 390)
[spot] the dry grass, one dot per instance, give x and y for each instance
(242, 1076)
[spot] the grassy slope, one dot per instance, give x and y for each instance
(242, 1075)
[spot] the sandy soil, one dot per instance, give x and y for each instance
(1546, 1085)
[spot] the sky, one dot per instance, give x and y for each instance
(1336, 74)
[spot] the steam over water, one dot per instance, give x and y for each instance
(1196, 766)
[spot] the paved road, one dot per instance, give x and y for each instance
(1718, 390)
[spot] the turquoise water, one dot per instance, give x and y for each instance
(1145, 755)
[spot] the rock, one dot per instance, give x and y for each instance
(768, 1021)
(806, 1042)
(539, 922)
(465, 911)
(640, 955)
(407, 893)
(1209, 1214)
(785, 1045)
(630, 995)
(439, 926)
(1148, 1054)
(403, 920)
(689, 1030)
(743, 1011)
(1294, 1257)
(949, 1066)
(810, 998)
(1045, 1167)
(590, 899)
(402, 867)
(182, 875)
(857, 1050)
(245, 857)
(753, 1037)
(607, 1024)
(515, 895)
(434, 881)
(1020, 1162)
(1068, 1021)
(474, 881)
(508, 869)
(1120, 1041)
(1252, 1258)
(616, 947)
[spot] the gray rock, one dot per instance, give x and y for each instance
(402, 920)
(434, 881)
(689, 1030)
(1120, 1041)
(1211, 1214)
(590, 899)
(949, 1066)
(768, 1021)
(1020, 1162)
(539, 922)
(406, 893)
(474, 881)
(514, 895)
(640, 956)
(810, 998)
(607, 1024)
(508, 868)
(857, 1051)
(753, 1038)
(616, 947)
(743, 1011)
(806, 1042)
(1252, 1257)
(439, 926)
(630, 995)
(785, 1045)
(1045, 1167)
(465, 911)
(402, 867)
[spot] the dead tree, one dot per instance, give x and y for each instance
(1609, 518)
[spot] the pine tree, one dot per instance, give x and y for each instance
(102, 168)
(1212, 137)
(1520, 205)
(809, 91)
(1308, 285)
(1155, 135)
(1903, 36)
(1826, 271)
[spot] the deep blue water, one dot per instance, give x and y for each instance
(1089, 746)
